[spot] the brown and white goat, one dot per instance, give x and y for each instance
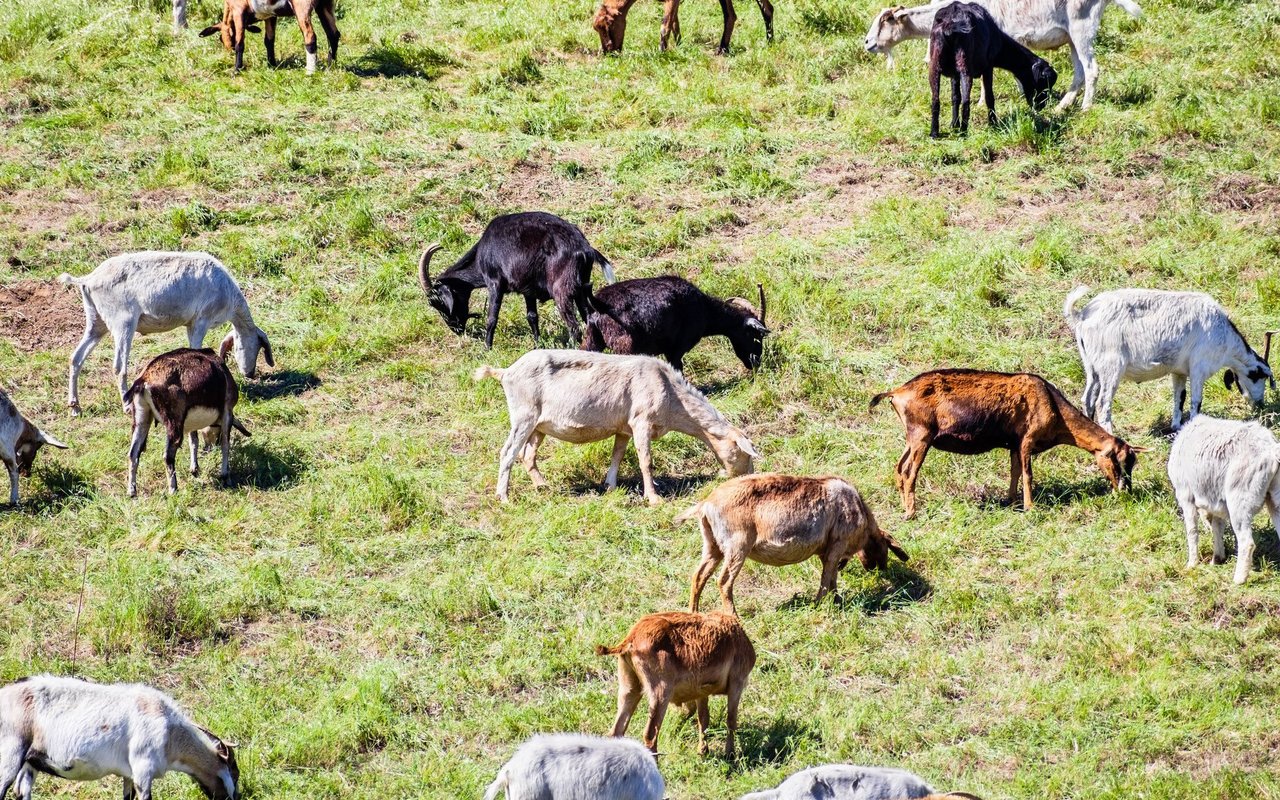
(785, 519)
(187, 391)
(683, 659)
(970, 411)
(20, 440)
(238, 17)
(611, 23)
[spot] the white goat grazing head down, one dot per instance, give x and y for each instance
(247, 349)
(1253, 383)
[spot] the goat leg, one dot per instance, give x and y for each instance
(989, 98)
(935, 106)
(955, 102)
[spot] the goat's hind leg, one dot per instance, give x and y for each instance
(193, 439)
(966, 91)
(955, 102)
(25, 786)
(619, 449)
(329, 21)
(12, 762)
(530, 459)
(138, 444)
(521, 430)
(766, 11)
(94, 330)
(935, 104)
(531, 314)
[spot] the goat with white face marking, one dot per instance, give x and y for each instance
(84, 731)
(1143, 334)
(187, 391)
(20, 440)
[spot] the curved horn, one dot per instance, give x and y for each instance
(1266, 346)
(424, 277)
(763, 306)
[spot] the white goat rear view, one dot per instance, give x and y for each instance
(20, 440)
(849, 782)
(569, 766)
(1225, 471)
(84, 731)
(154, 292)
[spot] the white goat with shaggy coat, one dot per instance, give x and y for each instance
(1143, 334)
(569, 766)
(154, 292)
(20, 440)
(581, 397)
(1037, 24)
(1225, 471)
(849, 782)
(86, 731)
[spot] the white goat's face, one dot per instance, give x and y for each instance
(736, 454)
(247, 349)
(1253, 384)
(882, 35)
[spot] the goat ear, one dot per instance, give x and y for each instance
(1135, 448)
(894, 547)
(225, 347)
(224, 750)
(211, 30)
(744, 444)
(756, 325)
(1229, 379)
(266, 348)
(49, 440)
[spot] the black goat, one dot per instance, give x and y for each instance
(967, 42)
(668, 316)
(535, 254)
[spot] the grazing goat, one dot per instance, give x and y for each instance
(583, 397)
(1143, 334)
(969, 411)
(1038, 24)
(966, 42)
(668, 316)
(1225, 471)
(84, 731)
(611, 23)
(683, 659)
(186, 391)
(238, 17)
(568, 766)
(535, 254)
(20, 440)
(849, 782)
(154, 292)
(785, 519)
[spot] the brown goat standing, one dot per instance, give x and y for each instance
(238, 17)
(683, 659)
(611, 23)
(970, 411)
(785, 519)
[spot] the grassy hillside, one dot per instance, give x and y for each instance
(359, 612)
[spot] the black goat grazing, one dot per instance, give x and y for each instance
(535, 254)
(967, 42)
(668, 316)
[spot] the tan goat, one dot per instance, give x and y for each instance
(683, 659)
(785, 519)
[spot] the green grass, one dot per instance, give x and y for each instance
(362, 616)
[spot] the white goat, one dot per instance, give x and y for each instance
(1225, 471)
(581, 397)
(848, 782)
(154, 292)
(1037, 24)
(568, 766)
(1143, 334)
(85, 731)
(20, 440)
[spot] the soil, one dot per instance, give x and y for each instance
(40, 315)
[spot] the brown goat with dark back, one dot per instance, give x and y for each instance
(970, 411)
(683, 659)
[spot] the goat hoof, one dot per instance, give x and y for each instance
(1217, 559)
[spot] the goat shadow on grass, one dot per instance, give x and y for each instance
(401, 60)
(263, 464)
(286, 383)
(667, 487)
(63, 486)
(774, 744)
(903, 587)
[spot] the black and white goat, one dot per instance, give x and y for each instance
(965, 43)
(20, 440)
(668, 316)
(1143, 334)
(187, 391)
(534, 254)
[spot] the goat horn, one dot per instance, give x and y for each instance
(763, 306)
(1266, 346)
(424, 277)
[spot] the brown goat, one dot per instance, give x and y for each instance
(784, 519)
(611, 23)
(683, 659)
(970, 411)
(238, 17)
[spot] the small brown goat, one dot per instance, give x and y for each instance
(970, 411)
(611, 23)
(683, 659)
(187, 391)
(785, 519)
(238, 17)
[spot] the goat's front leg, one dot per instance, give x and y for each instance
(1191, 523)
(531, 314)
(670, 15)
(179, 15)
(11, 464)
(989, 97)
(619, 448)
(269, 40)
(520, 432)
(565, 305)
(531, 459)
(1198, 379)
(704, 722)
(1179, 383)
(658, 703)
(643, 437)
(237, 34)
(141, 427)
(26, 783)
(726, 8)
(830, 569)
(629, 693)
(329, 21)
(124, 343)
(224, 439)
(130, 792)
(491, 318)
(93, 333)
(1026, 476)
(766, 11)
(308, 36)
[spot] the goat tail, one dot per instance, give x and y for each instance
(67, 279)
(499, 783)
(1068, 307)
(130, 397)
(692, 512)
(1131, 7)
(875, 401)
(605, 266)
(601, 650)
(487, 371)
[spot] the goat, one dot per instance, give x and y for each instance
(535, 254)
(154, 292)
(179, 15)
(1225, 471)
(668, 316)
(970, 411)
(582, 397)
(966, 42)
(186, 391)
(20, 440)
(683, 659)
(84, 731)
(1038, 24)
(785, 519)
(849, 782)
(568, 766)
(1143, 334)
(611, 23)
(238, 17)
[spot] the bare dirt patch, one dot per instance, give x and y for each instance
(40, 315)
(1243, 193)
